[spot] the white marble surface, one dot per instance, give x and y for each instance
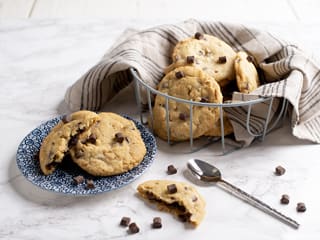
(39, 59)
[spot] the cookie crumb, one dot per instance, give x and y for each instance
(133, 228)
(125, 221)
(157, 222)
(284, 199)
(301, 207)
(280, 170)
(171, 170)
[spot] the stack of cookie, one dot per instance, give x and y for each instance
(102, 144)
(203, 69)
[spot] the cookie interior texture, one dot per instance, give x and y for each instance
(186, 203)
(91, 141)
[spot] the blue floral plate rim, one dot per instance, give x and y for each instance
(61, 181)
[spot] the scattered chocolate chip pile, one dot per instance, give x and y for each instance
(301, 207)
(157, 222)
(280, 170)
(284, 199)
(171, 170)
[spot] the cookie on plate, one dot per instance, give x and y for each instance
(62, 136)
(246, 73)
(111, 147)
(212, 55)
(178, 198)
(188, 83)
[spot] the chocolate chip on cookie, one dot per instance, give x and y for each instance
(92, 138)
(157, 222)
(190, 59)
(171, 170)
(133, 228)
(222, 59)
(280, 170)
(179, 74)
(183, 116)
(90, 184)
(284, 199)
(119, 137)
(198, 36)
(301, 207)
(78, 180)
(194, 199)
(79, 153)
(73, 140)
(125, 221)
(184, 217)
(172, 188)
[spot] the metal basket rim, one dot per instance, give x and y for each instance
(261, 99)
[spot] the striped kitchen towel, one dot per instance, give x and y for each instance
(288, 72)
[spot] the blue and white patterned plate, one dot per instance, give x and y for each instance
(62, 179)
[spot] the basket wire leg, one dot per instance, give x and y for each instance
(167, 120)
(222, 131)
(267, 119)
(138, 99)
(150, 109)
(191, 130)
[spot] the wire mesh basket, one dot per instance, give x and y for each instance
(228, 144)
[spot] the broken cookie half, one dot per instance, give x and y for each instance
(56, 145)
(178, 198)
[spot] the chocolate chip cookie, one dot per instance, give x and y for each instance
(246, 73)
(178, 198)
(112, 146)
(192, 84)
(62, 137)
(212, 55)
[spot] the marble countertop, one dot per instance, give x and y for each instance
(39, 59)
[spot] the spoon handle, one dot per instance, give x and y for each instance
(256, 203)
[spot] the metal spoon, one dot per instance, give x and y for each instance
(208, 173)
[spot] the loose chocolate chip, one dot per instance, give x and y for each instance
(79, 153)
(171, 170)
(92, 138)
(250, 59)
(204, 100)
(125, 221)
(301, 207)
(78, 180)
(157, 222)
(222, 59)
(119, 137)
(198, 36)
(172, 188)
(284, 199)
(183, 116)
(280, 170)
(90, 184)
(190, 59)
(179, 74)
(133, 228)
